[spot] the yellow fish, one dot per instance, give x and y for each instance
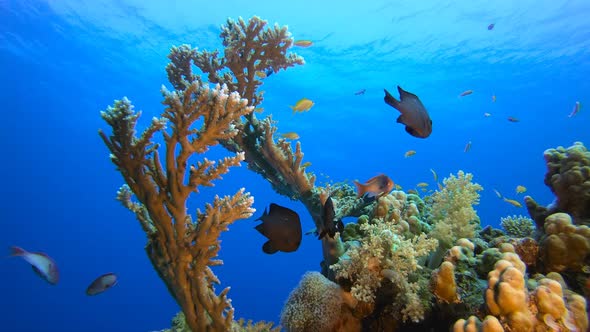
(398, 187)
(258, 110)
(512, 202)
(303, 105)
(413, 191)
(409, 153)
(306, 164)
(520, 189)
(303, 43)
(422, 185)
(260, 74)
(290, 135)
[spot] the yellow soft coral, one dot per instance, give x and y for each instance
(384, 253)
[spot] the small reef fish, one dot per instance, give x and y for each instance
(512, 202)
(261, 74)
(375, 186)
(422, 185)
(520, 189)
(330, 225)
(465, 93)
(101, 284)
(302, 105)
(303, 43)
(360, 92)
(513, 119)
(413, 191)
(467, 147)
(493, 98)
(290, 135)
(577, 108)
(258, 110)
(43, 265)
(398, 187)
(282, 227)
(413, 114)
(487, 115)
(491, 26)
(434, 175)
(409, 153)
(498, 194)
(306, 164)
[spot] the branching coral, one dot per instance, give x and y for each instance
(181, 249)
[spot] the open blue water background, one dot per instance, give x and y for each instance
(63, 61)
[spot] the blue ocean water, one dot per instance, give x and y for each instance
(62, 62)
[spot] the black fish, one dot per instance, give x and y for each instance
(330, 224)
(282, 227)
(413, 113)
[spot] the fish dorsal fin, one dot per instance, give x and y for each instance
(403, 94)
(390, 100)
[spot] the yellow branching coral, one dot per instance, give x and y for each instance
(181, 249)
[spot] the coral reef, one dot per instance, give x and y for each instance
(408, 263)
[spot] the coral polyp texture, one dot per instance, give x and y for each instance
(402, 263)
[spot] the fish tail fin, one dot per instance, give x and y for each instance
(360, 188)
(17, 251)
(390, 100)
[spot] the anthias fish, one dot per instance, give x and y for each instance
(377, 185)
(282, 227)
(413, 114)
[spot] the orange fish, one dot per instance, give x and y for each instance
(303, 43)
(466, 93)
(377, 185)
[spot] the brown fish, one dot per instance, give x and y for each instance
(101, 284)
(375, 186)
(331, 225)
(413, 113)
(282, 227)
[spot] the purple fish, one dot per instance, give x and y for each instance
(101, 284)
(491, 26)
(42, 264)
